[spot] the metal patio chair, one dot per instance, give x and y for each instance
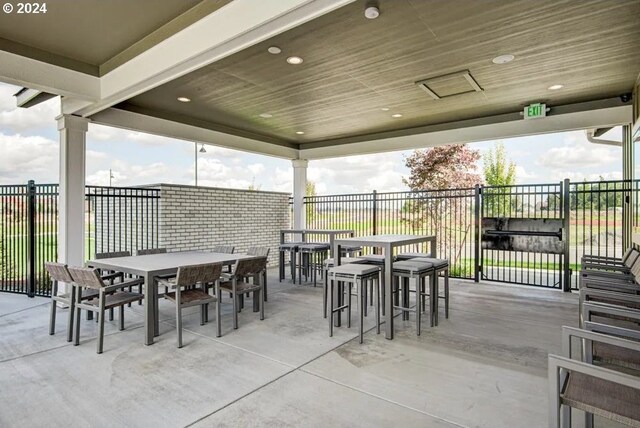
(191, 276)
(262, 252)
(109, 297)
(234, 284)
(58, 272)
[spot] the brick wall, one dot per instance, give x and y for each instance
(199, 218)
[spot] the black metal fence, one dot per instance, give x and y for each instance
(116, 219)
(592, 214)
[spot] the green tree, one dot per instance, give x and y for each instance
(310, 206)
(499, 171)
(439, 177)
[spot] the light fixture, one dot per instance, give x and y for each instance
(295, 60)
(503, 59)
(372, 12)
(555, 87)
(184, 99)
(202, 149)
(299, 132)
(265, 115)
(396, 115)
(274, 50)
(385, 109)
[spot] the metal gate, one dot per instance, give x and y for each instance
(534, 250)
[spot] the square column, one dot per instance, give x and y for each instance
(299, 192)
(71, 221)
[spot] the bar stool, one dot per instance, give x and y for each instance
(311, 257)
(440, 266)
(292, 249)
(409, 256)
(418, 271)
(350, 251)
(357, 275)
(328, 264)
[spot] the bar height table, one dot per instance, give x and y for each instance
(387, 243)
(331, 233)
(152, 265)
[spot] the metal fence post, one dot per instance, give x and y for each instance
(566, 221)
(31, 238)
(476, 218)
(374, 213)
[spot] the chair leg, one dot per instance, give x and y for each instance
(362, 304)
(432, 297)
(202, 314)
(261, 300)
(235, 304)
(378, 291)
(121, 317)
(101, 323)
(330, 294)
(218, 298)
(72, 311)
(76, 341)
(348, 284)
(418, 311)
(179, 315)
(256, 304)
(446, 294)
(54, 303)
(111, 314)
(264, 284)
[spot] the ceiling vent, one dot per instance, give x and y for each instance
(449, 85)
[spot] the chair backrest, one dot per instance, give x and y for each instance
(631, 258)
(148, 251)
(86, 277)
(258, 251)
(226, 249)
(58, 272)
(635, 269)
(204, 273)
(250, 267)
(113, 254)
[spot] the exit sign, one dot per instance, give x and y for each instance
(535, 111)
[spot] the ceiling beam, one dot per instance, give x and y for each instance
(592, 114)
(232, 28)
(199, 133)
(30, 97)
(33, 74)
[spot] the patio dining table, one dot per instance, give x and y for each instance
(331, 233)
(387, 243)
(152, 265)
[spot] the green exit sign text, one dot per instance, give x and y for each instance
(535, 111)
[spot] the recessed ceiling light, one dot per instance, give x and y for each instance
(184, 99)
(295, 60)
(266, 115)
(372, 12)
(299, 132)
(385, 109)
(503, 59)
(555, 87)
(274, 50)
(396, 115)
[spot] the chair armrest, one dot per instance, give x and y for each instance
(603, 308)
(123, 284)
(613, 330)
(598, 267)
(557, 362)
(622, 297)
(112, 275)
(618, 286)
(569, 332)
(601, 258)
(607, 274)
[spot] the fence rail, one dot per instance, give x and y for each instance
(116, 219)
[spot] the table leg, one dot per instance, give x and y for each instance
(388, 316)
(149, 310)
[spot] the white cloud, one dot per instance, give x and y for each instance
(31, 156)
(579, 153)
(523, 174)
(26, 120)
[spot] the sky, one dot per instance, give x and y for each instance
(29, 151)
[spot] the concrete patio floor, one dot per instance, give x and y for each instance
(483, 367)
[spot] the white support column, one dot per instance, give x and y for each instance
(73, 131)
(299, 192)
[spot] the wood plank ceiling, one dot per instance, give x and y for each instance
(354, 67)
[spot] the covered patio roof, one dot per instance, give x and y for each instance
(126, 69)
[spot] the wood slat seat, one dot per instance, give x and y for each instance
(615, 355)
(191, 296)
(116, 299)
(241, 287)
(602, 397)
